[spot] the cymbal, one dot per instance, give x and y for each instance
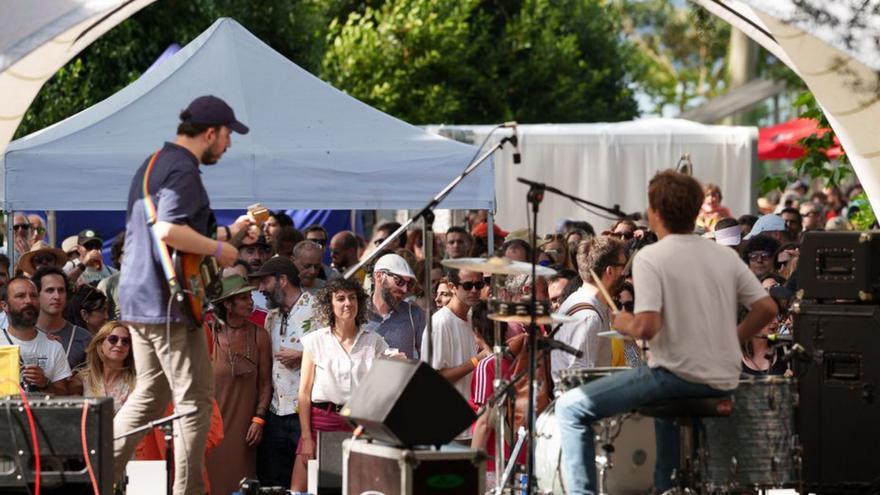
(540, 320)
(498, 266)
(614, 334)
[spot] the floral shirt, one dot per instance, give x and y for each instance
(286, 332)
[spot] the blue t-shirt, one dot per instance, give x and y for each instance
(402, 328)
(177, 191)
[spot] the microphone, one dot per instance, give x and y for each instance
(559, 346)
(685, 166)
(775, 337)
(517, 158)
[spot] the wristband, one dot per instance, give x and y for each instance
(228, 232)
(474, 362)
(258, 420)
(218, 250)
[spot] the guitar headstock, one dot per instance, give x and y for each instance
(259, 213)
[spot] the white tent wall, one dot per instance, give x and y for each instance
(310, 145)
(612, 163)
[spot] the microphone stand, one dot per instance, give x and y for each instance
(615, 210)
(427, 234)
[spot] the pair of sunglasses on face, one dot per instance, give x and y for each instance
(116, 339)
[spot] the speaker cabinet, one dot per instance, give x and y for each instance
(408, 403)
(839, 406)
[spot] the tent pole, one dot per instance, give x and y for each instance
(51, 226)
(490, 233)
(354, 221)
(10, 243)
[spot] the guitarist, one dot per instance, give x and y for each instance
(170, 351)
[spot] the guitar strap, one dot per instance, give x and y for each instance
(161, 247)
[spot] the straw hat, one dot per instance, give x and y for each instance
(25, 263)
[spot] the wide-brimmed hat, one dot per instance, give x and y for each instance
(234, 285)
(25, 263)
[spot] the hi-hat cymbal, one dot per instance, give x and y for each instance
(498, 266)
(540, 320)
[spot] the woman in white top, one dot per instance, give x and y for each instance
(335, 360)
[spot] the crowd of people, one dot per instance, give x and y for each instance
(289, 339)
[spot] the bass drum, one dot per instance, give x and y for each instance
(635, 452)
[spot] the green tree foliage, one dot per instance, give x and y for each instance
(296, 29)
(472, 61)
(679, 51)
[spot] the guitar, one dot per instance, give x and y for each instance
(199, 276)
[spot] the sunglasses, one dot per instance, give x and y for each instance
(622, 235)
(760, 256)
(92, 245)
(21, 226)
(400, 281)
(468, 286)
(43, 259)
(116, 339)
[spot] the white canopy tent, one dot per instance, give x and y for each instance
(310, 145)
(832, 46)
(38, 37)
(612, 163)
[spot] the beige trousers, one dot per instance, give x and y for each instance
(176, 369)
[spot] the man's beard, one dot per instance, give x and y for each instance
(209, 158)
(389, 298)
(275, 299)
(26, 317)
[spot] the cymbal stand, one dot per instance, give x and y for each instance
(499, 383)
(535, 196)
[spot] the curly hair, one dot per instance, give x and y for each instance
(324, 301)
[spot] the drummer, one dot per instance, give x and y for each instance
(688, 290)
(605, 257)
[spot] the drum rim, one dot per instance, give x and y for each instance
(772, 379)
(596, 370)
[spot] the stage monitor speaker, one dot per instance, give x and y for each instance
(57, 421)
(839, 396)
(408, 403)
(836, 266)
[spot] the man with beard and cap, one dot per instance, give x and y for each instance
(605, 256)
(44, 365)
(292, 317)
(399, 322)
(168, 205)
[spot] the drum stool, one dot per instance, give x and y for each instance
(685, 412)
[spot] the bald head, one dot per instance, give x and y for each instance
(343, 249)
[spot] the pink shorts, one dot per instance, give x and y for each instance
(324, 420)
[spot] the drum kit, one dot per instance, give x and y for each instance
(752, 450)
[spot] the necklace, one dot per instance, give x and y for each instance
(230, 356)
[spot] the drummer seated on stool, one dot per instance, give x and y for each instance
(688, 288)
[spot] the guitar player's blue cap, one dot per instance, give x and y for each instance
(210, 110)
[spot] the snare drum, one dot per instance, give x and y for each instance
(635, 451)
(574, 378)
(753, 449)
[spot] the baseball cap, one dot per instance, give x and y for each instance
(210, 110)
(279, 265)
(767, 223)
(69, 245)
(87, 235)
(731, 236)
(394, 263)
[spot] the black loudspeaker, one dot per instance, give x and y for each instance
(839, 396)
(57, 422)
(840, 265)
(408, 403)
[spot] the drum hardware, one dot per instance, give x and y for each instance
(497, 266)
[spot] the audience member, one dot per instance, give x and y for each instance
(712, 210)
(344, 254)
(770, 226)
(110, 285)
(319, 236)
(272, 226)
(307, 258)
(458, 243)
(242, 366)
(336, 358)
(728, 233)
(383, 231)
(109, 367)
(813, 217)
(793, 222)
(284, 240)
(759, 252)
(444, 294)
(556, 286)
(399, 322)
(516, 250)
(93, 269)
(40, 255)
(52, 284)
(87, 308)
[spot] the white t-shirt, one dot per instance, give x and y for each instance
(49, 354)
(454, 345)
(696, 285)
(583, 334)
(338, 373)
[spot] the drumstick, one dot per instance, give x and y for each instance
(604, 292)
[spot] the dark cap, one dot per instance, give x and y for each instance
(259, 241)
(279, 265)
(210, 110)
(86, 236)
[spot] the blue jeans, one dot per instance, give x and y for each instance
(621, 392)
(277, 450)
